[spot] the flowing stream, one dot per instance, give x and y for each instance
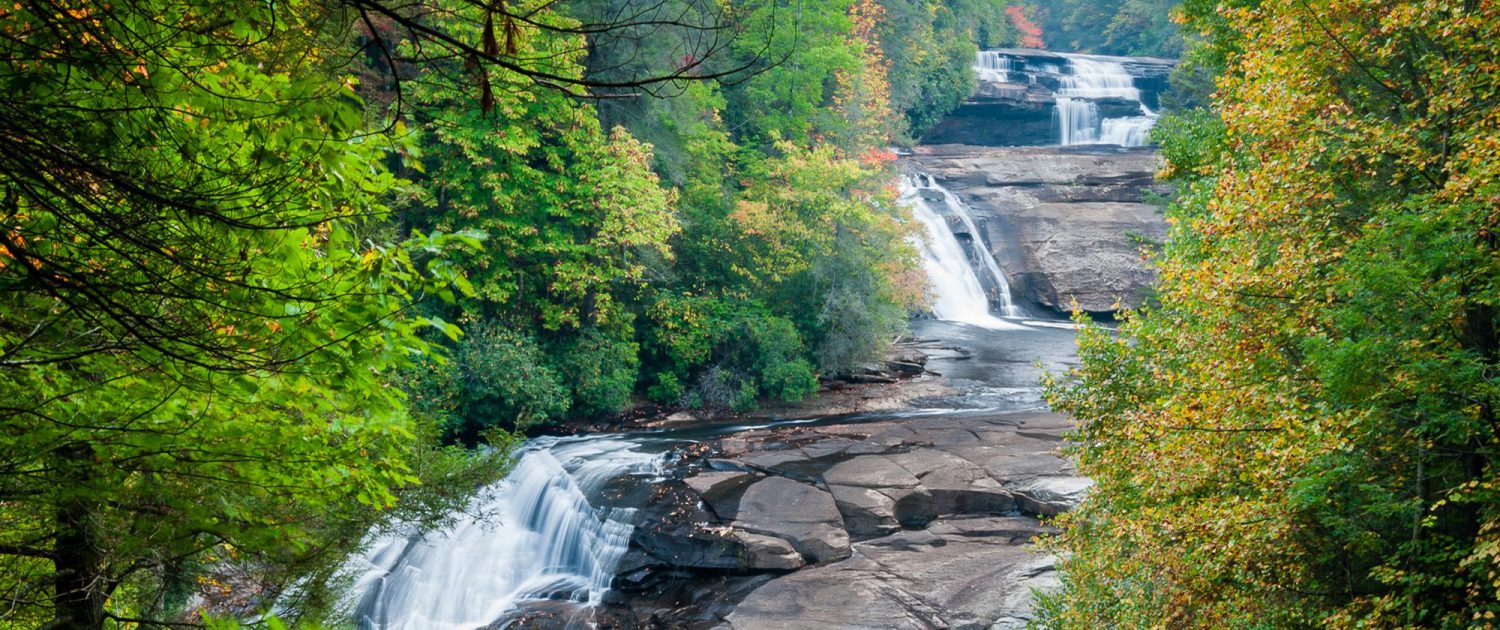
(546, 532)
(549, 531)
(538, 534)
(958, 294)
(993, 66)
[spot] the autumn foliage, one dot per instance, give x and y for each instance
(1031, 34)
(1304, 431)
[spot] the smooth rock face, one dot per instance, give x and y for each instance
(1066, 223)
(799, 513)
(767, 552)
(960, 578)
(1050, 496)
(942, 514)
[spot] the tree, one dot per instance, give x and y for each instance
(192, 331)
(1113, 27)
(1304, 431)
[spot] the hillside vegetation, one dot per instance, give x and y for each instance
(1303, 432)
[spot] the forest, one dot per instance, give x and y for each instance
(274, 276)
(272, 270)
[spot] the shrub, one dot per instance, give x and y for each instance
(495, 378)
(600, 372)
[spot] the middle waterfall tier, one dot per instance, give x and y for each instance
(958, 277)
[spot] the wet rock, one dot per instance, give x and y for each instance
(685, 604)
(676, 531)
(1050, 496)
(934, 504)
(768, 552)
(727, 465)
(565, 615)
(799, 513)
(721, 490)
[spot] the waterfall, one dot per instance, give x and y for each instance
(1090, 79)
(958, 294)
(993, 66)
(1132, 131)
(1082, 84)
(1077, 121)
(534, 535)
(1094, 78)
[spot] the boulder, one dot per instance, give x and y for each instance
(870, 471)
(768, 552)
(956, 485)
(721, 491)
(1050, 496)
(867, 512)
(676, 531)
(910, 579)
(799, 513)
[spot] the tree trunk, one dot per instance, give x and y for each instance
(79, 586)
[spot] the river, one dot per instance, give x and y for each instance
(577, 536)
(919, 514)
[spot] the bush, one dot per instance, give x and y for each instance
(667, 389)
(790, 381)
(495, 378)
(731, 352)
(756, 354)
(601, 372)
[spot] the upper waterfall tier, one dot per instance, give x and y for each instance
(1039, 98)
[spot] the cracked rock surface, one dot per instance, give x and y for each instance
(902, 522)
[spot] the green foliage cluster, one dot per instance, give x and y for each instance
(1112, 27)
(1304, 432)
(717, 354)
(750, 247)
(930, 47)
(196, 321)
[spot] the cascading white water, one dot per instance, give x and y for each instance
(1078, 121)
(534, 535)
(993, 66)
(957, 293)
(1086, 81)
(1132, 131)
(1090, 77)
